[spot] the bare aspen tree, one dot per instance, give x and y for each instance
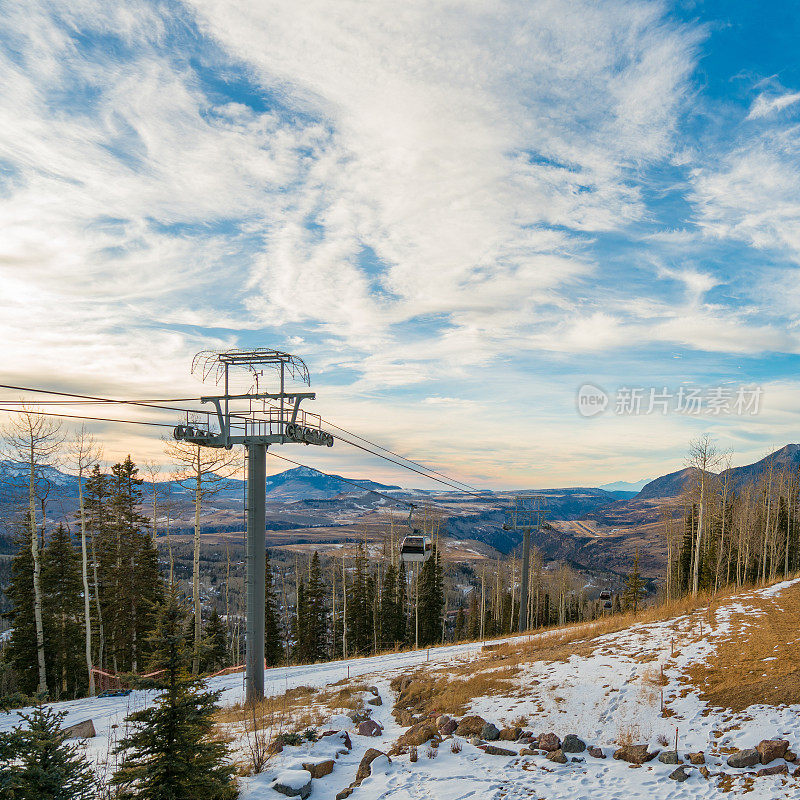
(202, 470)
(153, 473)
(704, 457)
(33, 440)
(84, 454)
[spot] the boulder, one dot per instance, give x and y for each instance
(669, 757)
(375, 701)
(510, 734)
(696, 758)
(704, 772)
(557, 756)
(770, 749)
(373, 690)
(319, 769)
(790, 756)
(369, 727)
(528, 751)
(494, 750)
(80, 730)
(490, 732)
(549, 742)
(796, 773)
(597, 752)
(442, 719)
(778, 769)
(470, 726)
(476, 741)
(342, 736)
(679, 774)
(293, 783)
(418, 734)
(744, 758)
(572, 744)
(448, 728)
(634, 753)
(365, 767)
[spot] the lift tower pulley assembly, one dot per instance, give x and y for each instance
(247, 418)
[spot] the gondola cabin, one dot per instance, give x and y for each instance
(605, 595)
(416, 549)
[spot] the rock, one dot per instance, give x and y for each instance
(679, 774)
(293, 783)
(696, 758)
(476, 741)
(275, 746)
(418, 734)
(577, 760)
(778, 769)
(527, 751)
(744, 758)
(344, 793)
(319, 769)
(634, 753)
(796, 773)
(790, 756)
(448, 728)
(770, 749)
(549, 742)
(369, 728)
(80, 730)
(490, 732)
(597, 752)
(669, 757)
(442, 719)
(470, 726)
(493, 750)
(557, 756)
(374, 690)
(704, 772)
(375, 701)
(572, 744)
(365, 767)
(510, 734)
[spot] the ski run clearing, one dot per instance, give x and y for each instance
(608, 689)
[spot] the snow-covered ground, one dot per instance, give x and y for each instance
(602, 696)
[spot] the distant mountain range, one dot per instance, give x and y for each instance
(625, 486)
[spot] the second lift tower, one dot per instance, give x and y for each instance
(255, 419)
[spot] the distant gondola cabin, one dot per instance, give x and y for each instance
(416, 548)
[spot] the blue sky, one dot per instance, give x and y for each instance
(457, 213)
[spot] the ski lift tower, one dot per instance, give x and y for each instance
(526, 514)
(248, 418)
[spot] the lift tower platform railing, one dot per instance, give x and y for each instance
(526, 514)
(249, 419)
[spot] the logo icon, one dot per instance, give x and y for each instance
(591, 400)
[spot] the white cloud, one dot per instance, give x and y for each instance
(766, 104)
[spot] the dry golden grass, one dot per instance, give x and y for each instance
(759, 663)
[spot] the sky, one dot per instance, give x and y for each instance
(458, 213)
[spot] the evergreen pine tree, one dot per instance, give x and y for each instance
(273, 647)
(461, 625)
(37, 764)
(215, 644)
(301, 626)
(359, 607)
(62, 615)
(431, 600)
(474, 615)
(316, 614)
(389, 612)
(634, 590)
(402, 603)
(169, 755)
(22, 646)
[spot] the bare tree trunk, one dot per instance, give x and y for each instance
(196, 570)
(37, 579)
(87, 607)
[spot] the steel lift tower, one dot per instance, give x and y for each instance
(251, 420)
(527, 514)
